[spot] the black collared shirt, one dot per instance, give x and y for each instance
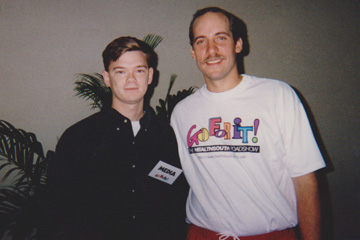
(99, 181)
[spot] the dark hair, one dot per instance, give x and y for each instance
(122, 45)
(233, 21)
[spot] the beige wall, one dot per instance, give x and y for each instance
(312, 45)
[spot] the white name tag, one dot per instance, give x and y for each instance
(165, 172)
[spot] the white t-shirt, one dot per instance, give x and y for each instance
(239, 150)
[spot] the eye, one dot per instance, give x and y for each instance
(120, 72)
(222, 38)
(200, 41)
(140, 70)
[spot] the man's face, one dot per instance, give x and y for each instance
(128, 77)
(214, 49)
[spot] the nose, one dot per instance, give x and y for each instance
(131, 77)
(212, 47)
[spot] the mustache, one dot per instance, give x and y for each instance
(214, 57)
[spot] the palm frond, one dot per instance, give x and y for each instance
(22, 155)
(23, 162)
(176, 98)
(153, 40)
(10, 200)
(164, 110)
(92, 87)
(171, 84)
(19, 213)
(161, 111)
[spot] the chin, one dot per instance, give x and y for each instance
(215, 77)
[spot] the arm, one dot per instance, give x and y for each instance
(308, 206)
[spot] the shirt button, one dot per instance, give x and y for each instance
(133, 143)
(133, 217)
(134, 166)
(118, 129)
(133, 190)
(125, 120)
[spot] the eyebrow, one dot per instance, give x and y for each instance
(120, 67)
(216, 34)
(142, 66)
(221, 33)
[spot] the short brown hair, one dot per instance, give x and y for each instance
(233, 21)
(121, 45)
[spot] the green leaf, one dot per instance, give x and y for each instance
(92, 87)
(152, 40)
(22, 156)
(166, 107)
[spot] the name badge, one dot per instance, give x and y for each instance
(165, 172)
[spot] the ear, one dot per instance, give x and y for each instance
(151, 75)
(193, 53)
(238, 45)
(105, 75)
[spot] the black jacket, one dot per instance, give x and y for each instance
(98, 183)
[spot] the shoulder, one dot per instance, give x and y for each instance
(160, 127)
(86, 122)
(189, 101)
(266, 82)
(84, 127)
(268, 87)
(76, 139)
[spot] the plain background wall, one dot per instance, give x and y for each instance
(312, 45)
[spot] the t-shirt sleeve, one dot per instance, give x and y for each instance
(302, 152)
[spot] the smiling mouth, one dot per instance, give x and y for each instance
(214, 60)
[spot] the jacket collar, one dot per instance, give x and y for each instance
(116, 117)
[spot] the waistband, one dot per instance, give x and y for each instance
(211, 235)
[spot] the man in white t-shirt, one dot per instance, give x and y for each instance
(245, 144)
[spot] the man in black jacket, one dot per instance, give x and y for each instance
(116, 174)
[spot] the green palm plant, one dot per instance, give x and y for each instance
(153, 40)
(24, 165)
(92, 87)
(164, 110)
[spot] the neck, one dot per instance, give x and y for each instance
(132, 111)
(223, 85)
